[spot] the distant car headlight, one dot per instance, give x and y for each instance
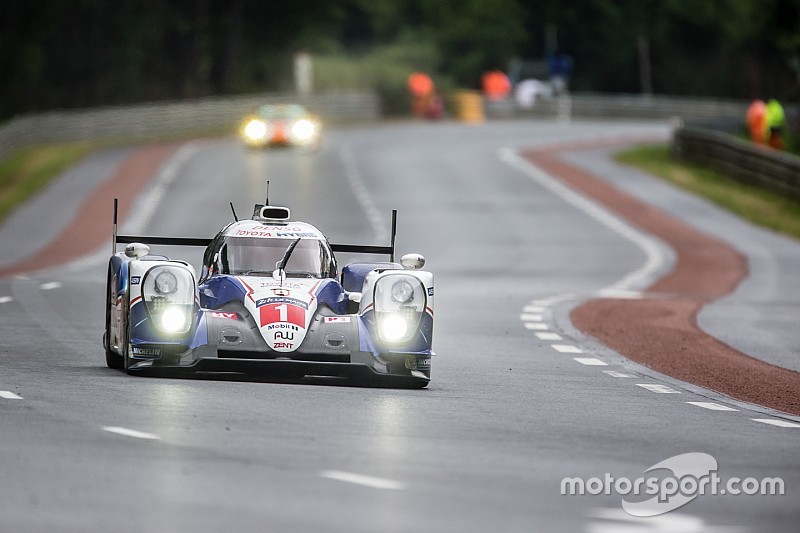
(255, 130)
(399, 302)
(303, 130)
(168, 293)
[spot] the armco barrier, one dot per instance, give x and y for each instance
(739, 159)
(173, 118)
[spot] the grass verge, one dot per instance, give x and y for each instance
(761, 206)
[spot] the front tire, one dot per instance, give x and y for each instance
(113, 359)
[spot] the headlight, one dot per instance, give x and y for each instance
(304, 130)
(166, 282)
(173, 319)
(402, 292)
(399, 302)
(393, 327)
(168, 292)
(255, 130)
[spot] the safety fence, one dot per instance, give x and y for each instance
(174, 118)
(739, 159)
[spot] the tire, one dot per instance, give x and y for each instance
(126, 344)
(113, 359)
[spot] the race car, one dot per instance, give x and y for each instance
(269, 300)
(288, 125)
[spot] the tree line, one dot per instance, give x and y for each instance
(80, 53)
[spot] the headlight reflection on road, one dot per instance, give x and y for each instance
(390, 416)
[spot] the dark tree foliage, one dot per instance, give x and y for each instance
(79, 53)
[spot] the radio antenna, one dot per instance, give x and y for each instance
(235, 218)
(267, 202)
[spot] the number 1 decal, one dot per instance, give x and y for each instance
(292, 314)
(283, 311)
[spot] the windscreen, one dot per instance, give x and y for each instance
(259, 256)
(289, 112)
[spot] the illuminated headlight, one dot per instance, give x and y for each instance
(399, 302)
(393, 327)
(173, 320)
(304, 130)
(255, 130)
(168, 293)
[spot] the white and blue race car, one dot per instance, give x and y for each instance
(269, 300)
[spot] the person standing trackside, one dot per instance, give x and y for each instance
(776, 119)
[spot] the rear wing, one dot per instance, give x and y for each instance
(197, 241)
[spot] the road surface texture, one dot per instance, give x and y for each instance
(520, 398)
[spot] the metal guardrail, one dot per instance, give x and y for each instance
(739, 159)
(633, 106)
(173, 118)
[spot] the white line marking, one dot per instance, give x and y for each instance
(566, 348)
(615, 374)
(650, 247)
(526, 317)
(6, 299)
(378, 222)
(590, 361)
(536, 325)
(542, 303)
(775, 422)
(146, 206)
(8, 395)
(713, 406)
(131, 433)
(549, 336)
(660, 389)
(534, 309)
(50, 286)
(366, 481)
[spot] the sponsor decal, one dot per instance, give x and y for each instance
(412, 363)
(137, 350)
(336, 319)
(135, 280)
(284, 335)
(220, 314)
(291, 327)
(430, 291)
(424, 362)
(281, 292)
(277, 234)
(283, 345)
(281, 300)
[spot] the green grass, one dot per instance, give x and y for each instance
(761, 206)
(28, 170)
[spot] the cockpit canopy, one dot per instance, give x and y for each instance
(258, 256)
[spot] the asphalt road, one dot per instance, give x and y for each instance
(509, 414)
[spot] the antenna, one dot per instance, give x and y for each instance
(235, 218)
(267, 202)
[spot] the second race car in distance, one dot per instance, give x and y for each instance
(287, 125)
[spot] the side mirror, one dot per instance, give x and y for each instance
(412, 261)
(136, 250)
